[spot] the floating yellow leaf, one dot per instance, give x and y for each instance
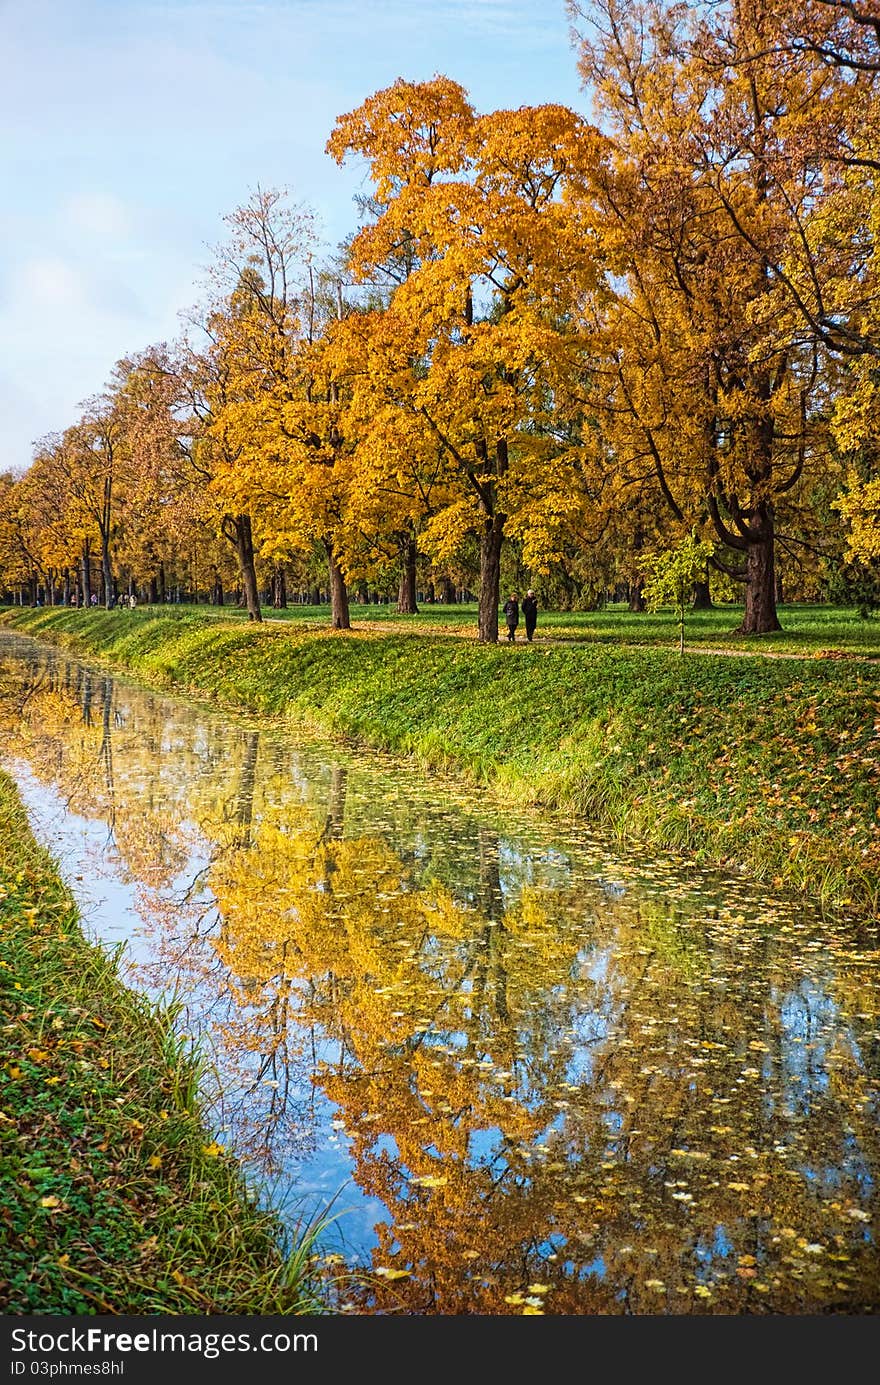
(212, 1150)
(154, 1162)
(51, 1201)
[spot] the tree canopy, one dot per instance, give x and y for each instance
(558, 340)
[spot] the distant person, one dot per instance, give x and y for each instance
(511, 615)
(530, 613)
(132, 601)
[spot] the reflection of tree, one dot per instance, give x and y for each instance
(608, 1114)
(242, 807)
(642, 1103)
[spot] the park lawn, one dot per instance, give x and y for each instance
(768, 765)
(807, 629)
(117, 1201)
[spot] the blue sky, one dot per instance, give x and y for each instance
(131, 127)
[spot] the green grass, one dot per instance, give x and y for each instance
(769, 765)
(116, 1198)
(807, 629)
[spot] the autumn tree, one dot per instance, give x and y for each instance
(274, 407)
(468, 351)
(717, 361)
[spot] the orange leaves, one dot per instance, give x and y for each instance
(410, 132)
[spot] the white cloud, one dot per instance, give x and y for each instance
(51, 282)
(98, 213)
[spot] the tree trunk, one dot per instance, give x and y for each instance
(162, 589)
(279, 589)
(87, 573)
(106, 570)
(636, 598)
(238, 530)
(447, 591)
(702, 597)
(66, 596)
(760, 614)
(406, 596)
(340, 618)
(491, 540)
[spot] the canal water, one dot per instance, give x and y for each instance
(523, 1073)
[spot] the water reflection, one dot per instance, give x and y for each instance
(554, 1080)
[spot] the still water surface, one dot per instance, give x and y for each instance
(527, 1074)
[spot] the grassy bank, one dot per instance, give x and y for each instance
(806, 629)
(117, 1200)
(770, 765)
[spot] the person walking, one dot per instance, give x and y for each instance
(511, 615)
(530, 613)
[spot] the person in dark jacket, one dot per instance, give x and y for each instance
(530, 613)
(511, 615)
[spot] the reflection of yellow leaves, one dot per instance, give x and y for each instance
(539, 1288)
(429, 1180)
(515, 1299)
(388, 1273)
(655, 1285)
(739, 1187)
(702, 1292)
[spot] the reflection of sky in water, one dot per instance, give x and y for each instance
(109, 908)
(673, 1013)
